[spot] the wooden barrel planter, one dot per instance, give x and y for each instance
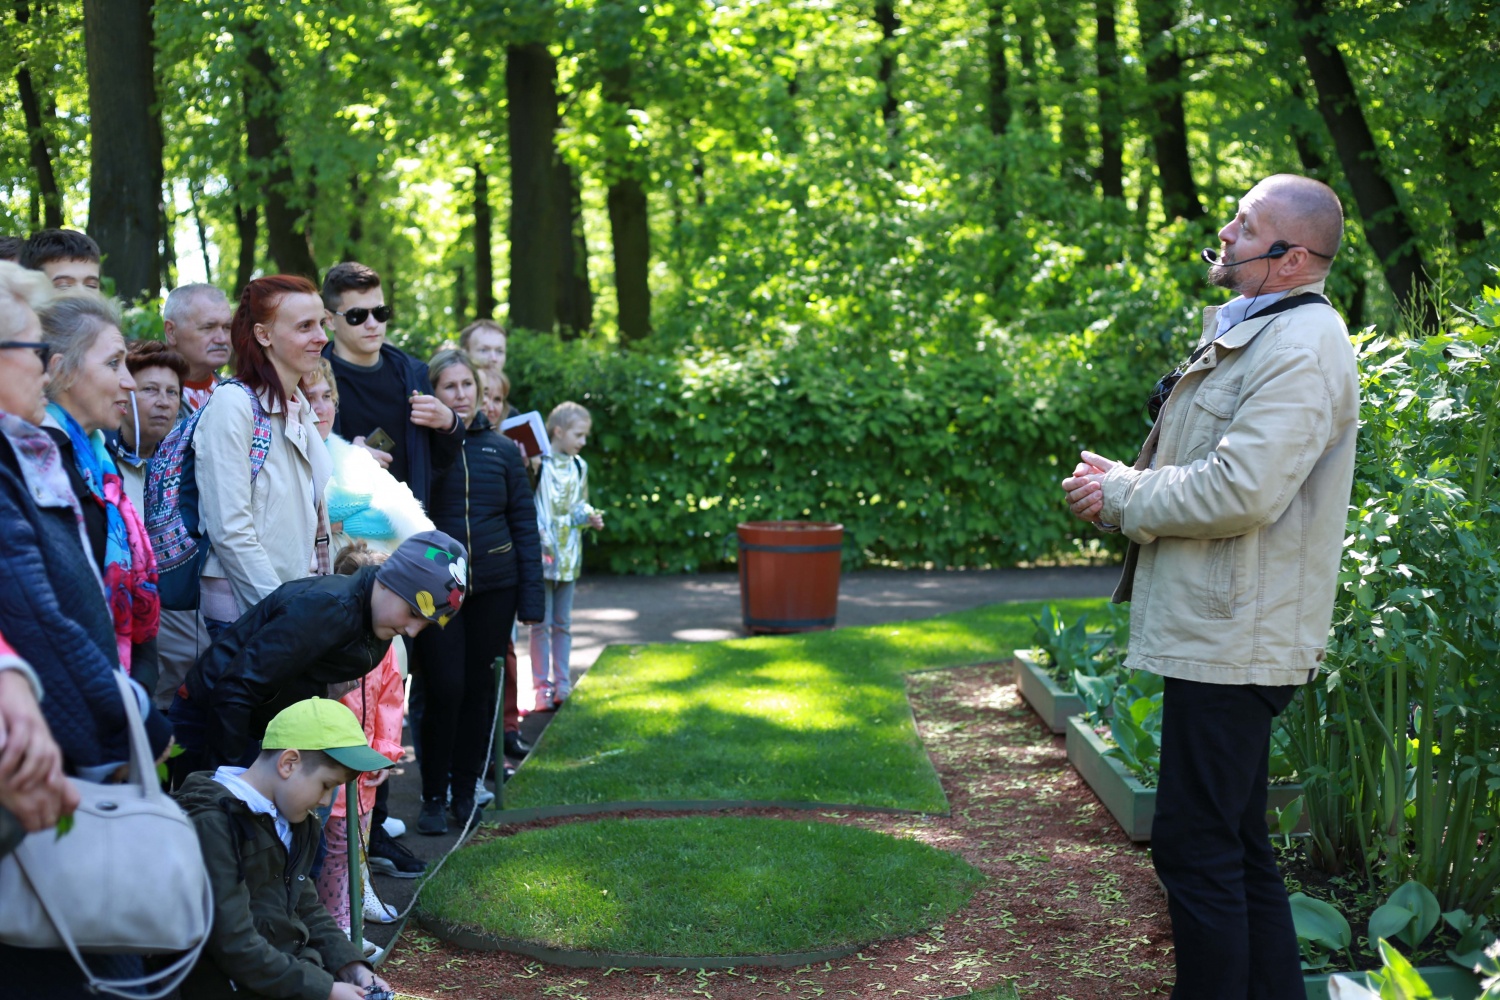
(789, 575)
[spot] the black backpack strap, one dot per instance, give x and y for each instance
(1290, 302)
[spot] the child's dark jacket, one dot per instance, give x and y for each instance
(272, 937)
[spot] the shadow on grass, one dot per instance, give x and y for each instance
(819, 717)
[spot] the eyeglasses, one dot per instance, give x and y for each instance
(43, 350)
(357, 315)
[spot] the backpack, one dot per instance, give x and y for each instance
(172, 503)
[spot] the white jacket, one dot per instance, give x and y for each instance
(1239, 502)
(262, 535)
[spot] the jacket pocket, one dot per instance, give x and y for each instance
(501, 548)
(1218, 591)
(1213, 408)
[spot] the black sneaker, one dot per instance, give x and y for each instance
(432, 823)
(463, 808)
(390, 858)
(516, 747)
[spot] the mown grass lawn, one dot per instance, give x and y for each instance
(819, 717)
(699, 886)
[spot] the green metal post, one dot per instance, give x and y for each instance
(356, 883)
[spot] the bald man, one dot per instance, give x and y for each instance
(1235, 511)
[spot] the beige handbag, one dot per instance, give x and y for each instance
(127, 879)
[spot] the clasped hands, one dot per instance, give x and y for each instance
(1085, 487)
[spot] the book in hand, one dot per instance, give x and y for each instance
(528, 430)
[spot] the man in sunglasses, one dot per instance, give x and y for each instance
(385, 399)
(1236, 514)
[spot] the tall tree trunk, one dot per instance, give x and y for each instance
(1062, 31)
(1031, 106)
(1387, 227)
(1468, 193)
(1179, 192)
(247, 228)
(999, 104)
(355, 237)
(461, 295)
(125, 170)
(484, 261)
(271, 168)
(48, 197)
(885, 16)
(629, 222)
(1314, 163)
(531, 87)
(195, 192)
(575, 297)
(1111, 112)
(168, 243)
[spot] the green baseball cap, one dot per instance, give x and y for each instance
(329, 726)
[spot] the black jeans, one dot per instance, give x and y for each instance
(1231, 922)
(458, 678)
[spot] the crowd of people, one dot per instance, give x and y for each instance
(259, 519)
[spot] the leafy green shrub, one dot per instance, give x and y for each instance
(948, 459)
(1399, 743)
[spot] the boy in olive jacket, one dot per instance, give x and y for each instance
(272, 936)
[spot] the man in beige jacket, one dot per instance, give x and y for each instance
(1236, 512)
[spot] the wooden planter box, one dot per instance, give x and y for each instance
(1131, 803)
(1445, 980)
(1041, 692)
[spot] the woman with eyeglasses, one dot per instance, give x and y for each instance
(54, 614)
(159, 372)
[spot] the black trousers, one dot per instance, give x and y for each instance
(458, 678)
(1231, 922)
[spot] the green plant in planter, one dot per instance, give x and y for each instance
(1409, 915)
(1321, 931)
(1070, 649)
(1129, 706)
(1475, 938)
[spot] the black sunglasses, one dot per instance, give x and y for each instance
(43, 350)
(358, 314)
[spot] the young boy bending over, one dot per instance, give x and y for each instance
(272, 936)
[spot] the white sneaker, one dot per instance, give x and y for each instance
(373, 952)
(393, 827)
(376, 910)
(482, 796)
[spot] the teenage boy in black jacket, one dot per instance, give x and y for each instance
(308, 636)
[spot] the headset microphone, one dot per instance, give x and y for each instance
(1278, 250)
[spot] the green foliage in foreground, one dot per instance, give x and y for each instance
(1399, 741)
(951, 459)
(699, 886)
(817, 717)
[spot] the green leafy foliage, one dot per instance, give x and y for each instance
(946, 459)
(1410, 915)
(1069, 649)
(1321, 930)
(1399, 741)
(1475, 937)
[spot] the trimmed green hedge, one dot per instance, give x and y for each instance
(949, 460)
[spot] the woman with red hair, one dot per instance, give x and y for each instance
(260, 463)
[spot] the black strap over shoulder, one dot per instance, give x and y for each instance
(1290, 302)
(1168, 382)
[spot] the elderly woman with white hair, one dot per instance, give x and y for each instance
(55, 615)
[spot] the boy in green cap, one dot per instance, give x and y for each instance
(272, 937)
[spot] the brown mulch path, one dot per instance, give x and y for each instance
(1071, 910)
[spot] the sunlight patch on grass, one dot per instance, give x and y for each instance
(699, 886)
(817, 717)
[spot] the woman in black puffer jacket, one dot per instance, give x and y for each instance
(483, 500)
